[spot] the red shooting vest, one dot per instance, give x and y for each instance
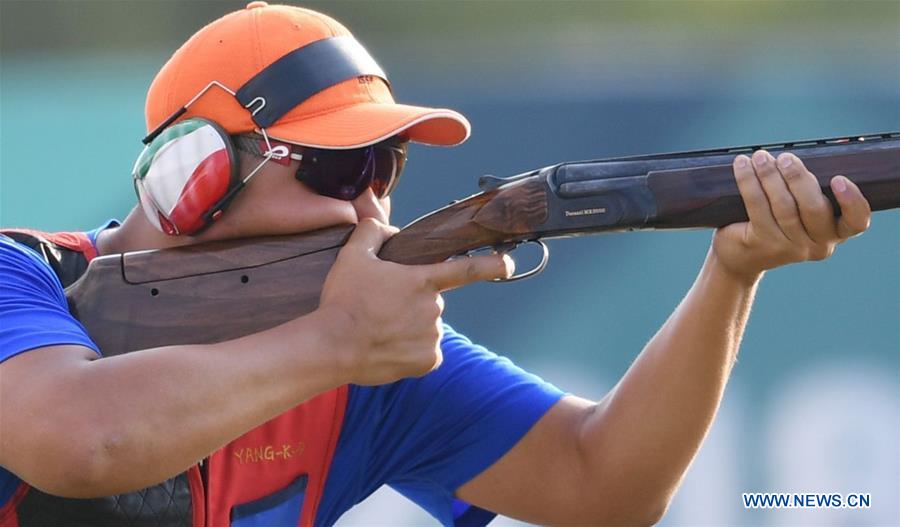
(273, 475)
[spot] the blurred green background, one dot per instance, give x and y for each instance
(814, 403)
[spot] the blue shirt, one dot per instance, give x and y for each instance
(424, 436)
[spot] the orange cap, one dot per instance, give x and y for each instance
(233, 49)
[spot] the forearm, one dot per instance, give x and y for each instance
(653, 422)
(145, 416)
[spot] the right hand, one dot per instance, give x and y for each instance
(388, 316)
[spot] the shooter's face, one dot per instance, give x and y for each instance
(274, 202)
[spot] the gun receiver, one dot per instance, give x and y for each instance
(223, 290)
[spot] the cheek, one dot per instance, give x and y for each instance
(279, 205)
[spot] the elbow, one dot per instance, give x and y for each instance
(652, 514)
(610, 505)
(60, 434)
(649, 511)
(82, 468)
(93, 467)
(654, 507)
(69, 485)
(638, 515)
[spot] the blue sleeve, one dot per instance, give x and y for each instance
(427, 436)
(33, 308)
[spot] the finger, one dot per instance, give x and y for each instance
(462, 271)
(855, 209)
(815, 210)
(369, 235)
(754, 196)
(781, 201)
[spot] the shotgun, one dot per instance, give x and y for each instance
(223, 290)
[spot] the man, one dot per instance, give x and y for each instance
(296, 424)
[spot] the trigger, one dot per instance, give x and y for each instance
(505, 248)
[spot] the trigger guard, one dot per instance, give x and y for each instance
(507, 248)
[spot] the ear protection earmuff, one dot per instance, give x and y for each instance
(188, 173)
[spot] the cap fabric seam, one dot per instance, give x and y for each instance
(322, 19)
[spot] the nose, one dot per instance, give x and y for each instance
(367, 205)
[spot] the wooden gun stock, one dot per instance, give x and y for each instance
(203, 293)
(223, 290)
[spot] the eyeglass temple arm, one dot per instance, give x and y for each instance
(179, 112)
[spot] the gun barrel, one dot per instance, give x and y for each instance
(644, 164)
(697, 189)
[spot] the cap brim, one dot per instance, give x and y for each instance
(368, 123)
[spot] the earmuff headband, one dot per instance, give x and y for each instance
(302, 73)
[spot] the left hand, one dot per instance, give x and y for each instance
(791, 220)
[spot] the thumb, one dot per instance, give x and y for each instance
(855, 209)
(369, 235)
(462, 271)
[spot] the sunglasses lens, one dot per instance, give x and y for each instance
(345, 174)
(341, 174)
(389, 163)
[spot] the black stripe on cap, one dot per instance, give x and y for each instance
(303, 73)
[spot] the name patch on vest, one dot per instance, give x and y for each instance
(268, 453)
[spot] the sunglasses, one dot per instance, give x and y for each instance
(340, 174)
(345, 174)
